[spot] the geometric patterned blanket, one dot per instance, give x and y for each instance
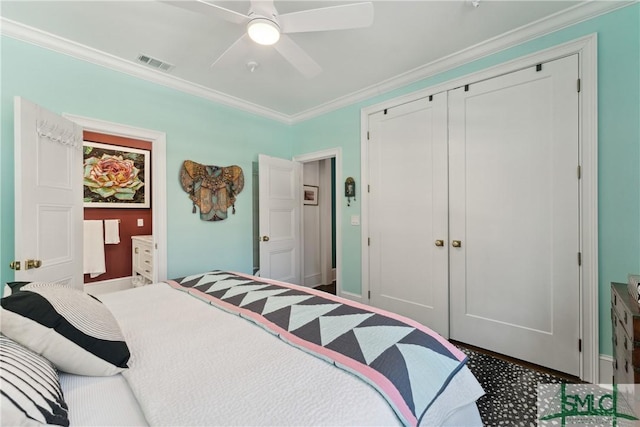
(408, 363)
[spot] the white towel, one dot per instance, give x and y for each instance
(111, 231)
(93, 256)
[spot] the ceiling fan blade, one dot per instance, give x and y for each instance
(356, 15)
(210, 9)
(234, 53)
(297, 57)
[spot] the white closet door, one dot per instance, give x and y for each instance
(408, 211)
(514, 208)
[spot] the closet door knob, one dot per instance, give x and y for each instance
(456, 243)
(439, 242)
(265, 238)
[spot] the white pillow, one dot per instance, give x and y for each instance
(30, 388)
(72, 329)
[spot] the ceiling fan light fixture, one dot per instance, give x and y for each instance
(263, 31)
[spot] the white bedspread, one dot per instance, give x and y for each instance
(193, 364)
(100, 401)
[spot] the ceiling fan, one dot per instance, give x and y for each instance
(265, 26)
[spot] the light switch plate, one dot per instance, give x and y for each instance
(355, 219)
(140, 222)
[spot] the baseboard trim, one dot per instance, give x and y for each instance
(313, 280)
(606, 369)
(351, 296)
(106, 286)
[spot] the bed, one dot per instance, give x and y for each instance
(224, 348)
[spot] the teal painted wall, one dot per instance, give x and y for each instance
(201, 130)
(618, 151)
(195, 129)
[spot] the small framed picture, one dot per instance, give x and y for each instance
(310, 195)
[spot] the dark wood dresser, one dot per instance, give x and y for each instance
(625, 319)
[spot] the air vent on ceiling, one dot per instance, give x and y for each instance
(155, 63)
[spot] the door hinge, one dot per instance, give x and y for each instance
(430, 98)
(369, 294)
(368, 188)
(466, 88)
(385, 111)
(580, 345)
(579, 172)
(579, 258)
(367, 135)
(579, 86)
(368, 241)
(538, 67)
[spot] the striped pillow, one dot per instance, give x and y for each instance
(72, 329)
(29, 387)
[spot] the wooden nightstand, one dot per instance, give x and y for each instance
(625, 319)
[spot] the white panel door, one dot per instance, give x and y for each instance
(280, 194)
(48, 195)
(408, 269)
(514, 208)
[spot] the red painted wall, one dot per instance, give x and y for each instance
(118, 257)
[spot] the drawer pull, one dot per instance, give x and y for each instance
(137, 249)
(147, 271)
(147, 251)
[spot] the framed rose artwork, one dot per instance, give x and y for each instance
(115, 177)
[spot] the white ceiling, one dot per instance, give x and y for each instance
(405, 36)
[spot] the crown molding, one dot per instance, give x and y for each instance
(49, 41)
(555, 22)
(571, 16)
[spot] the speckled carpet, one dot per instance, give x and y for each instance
(511, 396)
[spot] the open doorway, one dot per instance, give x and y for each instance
(126, 222)
(318, 223)
(158, 219)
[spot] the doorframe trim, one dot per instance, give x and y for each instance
(158, 178)
(321, 155)
(586, 48)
